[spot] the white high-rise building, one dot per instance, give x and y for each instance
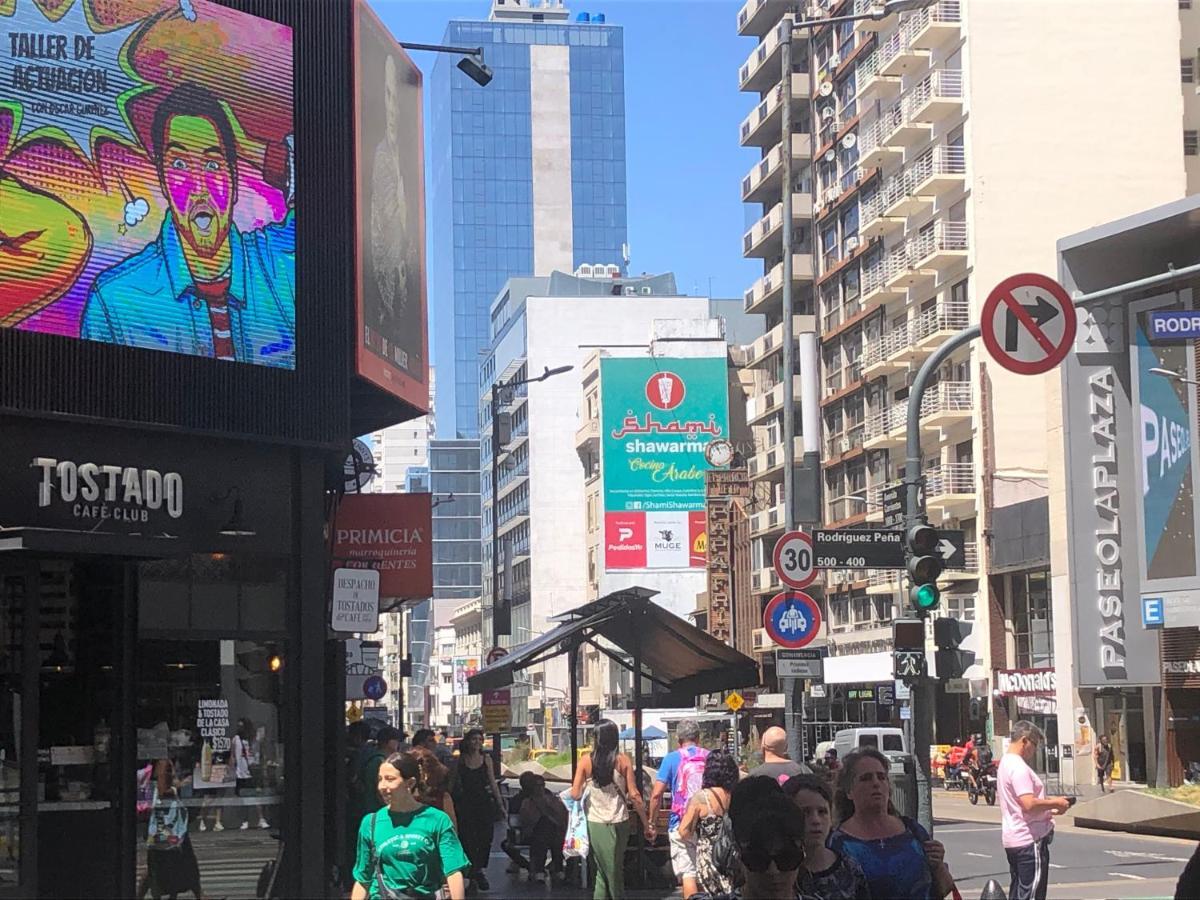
(934, 154)
(400, 448)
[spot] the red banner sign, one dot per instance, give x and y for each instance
(391, 533)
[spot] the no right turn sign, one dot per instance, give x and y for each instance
(1028, 323)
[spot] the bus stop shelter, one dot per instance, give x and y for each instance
(673, 655)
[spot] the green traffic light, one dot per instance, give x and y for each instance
(926, 596)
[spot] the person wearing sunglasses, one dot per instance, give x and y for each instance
(769, 833)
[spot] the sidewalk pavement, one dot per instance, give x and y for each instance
(504, 884)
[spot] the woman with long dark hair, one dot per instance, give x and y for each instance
(406, 849)
(608, 777)
(478, 803)
(702, 819)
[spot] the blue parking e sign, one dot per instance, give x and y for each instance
(1152, 612)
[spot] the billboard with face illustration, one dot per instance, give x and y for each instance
(146, 174)
(392, 345)
(657, 417)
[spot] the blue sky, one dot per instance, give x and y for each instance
(682, 109)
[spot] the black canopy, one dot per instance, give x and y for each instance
(673, 654)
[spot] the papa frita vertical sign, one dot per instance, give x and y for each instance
(355, 601)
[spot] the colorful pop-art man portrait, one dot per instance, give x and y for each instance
(146, 177)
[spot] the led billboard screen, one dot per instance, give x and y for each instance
(392, 344)
(657, 418)
(146, 173)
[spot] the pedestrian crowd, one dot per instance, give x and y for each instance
(423, 829)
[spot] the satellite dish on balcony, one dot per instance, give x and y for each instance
(826, 88)
(849, 141)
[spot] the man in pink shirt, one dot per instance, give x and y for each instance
(1027, 825)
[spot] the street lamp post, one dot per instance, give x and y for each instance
(809, 358)
(501, 397)
(472, 64)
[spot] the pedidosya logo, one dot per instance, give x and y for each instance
(665, 390)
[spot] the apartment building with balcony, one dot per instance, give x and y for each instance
(941, 163)
(763, 187)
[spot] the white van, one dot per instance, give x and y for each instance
(887, 740)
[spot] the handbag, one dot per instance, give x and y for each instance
(576, 843)
(168, 824)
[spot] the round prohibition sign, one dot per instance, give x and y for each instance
(793, 560)
(792, 619)
(1028, 323)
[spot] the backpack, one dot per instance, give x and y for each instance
(688, 780)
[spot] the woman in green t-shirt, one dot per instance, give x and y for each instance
(406, 846)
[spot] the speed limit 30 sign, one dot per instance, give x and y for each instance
(793, 559)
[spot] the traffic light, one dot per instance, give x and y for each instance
(908, 648)
(406, 666)
(924, 567)
(948, 634)
(978, 710)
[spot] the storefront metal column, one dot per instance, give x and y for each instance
(30, 703)
(307, 818)
(125, 731)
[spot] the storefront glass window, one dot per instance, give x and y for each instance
(208, 729)
(1032, 618)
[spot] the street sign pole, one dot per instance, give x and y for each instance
(914, 514)
(922, 689)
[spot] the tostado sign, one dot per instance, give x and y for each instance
(72, 477)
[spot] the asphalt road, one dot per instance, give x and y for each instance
(1084, 863)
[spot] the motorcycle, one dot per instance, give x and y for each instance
(983, 784)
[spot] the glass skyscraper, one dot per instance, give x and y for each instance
(527, 176)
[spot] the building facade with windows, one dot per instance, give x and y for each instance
(541, 323)
(558, 96)
(919, 207)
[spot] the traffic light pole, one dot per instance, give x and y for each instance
(922, 698)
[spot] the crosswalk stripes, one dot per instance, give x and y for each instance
(232, 879)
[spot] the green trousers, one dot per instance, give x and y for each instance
(607, 851)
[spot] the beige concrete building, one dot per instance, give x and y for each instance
(944, 159)
(1189, 77)
(467, 623)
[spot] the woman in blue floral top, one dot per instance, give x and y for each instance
(896, 854)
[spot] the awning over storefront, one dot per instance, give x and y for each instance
(858, 668)
(673, 654)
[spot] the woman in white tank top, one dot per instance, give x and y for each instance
(608, 777)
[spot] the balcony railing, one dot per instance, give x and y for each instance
(942, 84)
(885, 421)
(943, 13)
(771, 103)
(899, 41)
(950, 478)
(946, 316)
(947, 397)
(944, 236)
(888, 344)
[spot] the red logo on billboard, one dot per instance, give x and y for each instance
(665, 390)
(625, 540)
(698, 539)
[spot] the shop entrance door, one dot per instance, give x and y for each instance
(209, 738)
(1121, 717)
